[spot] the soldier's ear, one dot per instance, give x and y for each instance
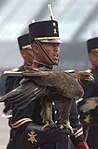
(92, 57)
(23, 54)
(35, 48)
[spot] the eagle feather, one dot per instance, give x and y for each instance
(46, 86)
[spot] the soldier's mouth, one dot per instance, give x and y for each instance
(56, 57)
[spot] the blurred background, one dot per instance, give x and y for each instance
(78, 21)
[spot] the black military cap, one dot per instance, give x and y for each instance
(24, 42)
(92, 44)
(44, 31)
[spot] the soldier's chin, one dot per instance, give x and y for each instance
(56, 62)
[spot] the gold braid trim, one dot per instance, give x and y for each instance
(79, 130)
(26, 46)
(20, 122)
(96, 49)
(47, 38)
(78, 133)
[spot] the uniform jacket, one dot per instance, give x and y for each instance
(91, 128)
(32, 112)
(10, 84)
(92, 91)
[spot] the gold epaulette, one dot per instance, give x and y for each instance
(20, 122)
(87, 70)
(14, 69)
(11, 70)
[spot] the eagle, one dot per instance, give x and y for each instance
(47, 86)
(84, 78)
(88, 104)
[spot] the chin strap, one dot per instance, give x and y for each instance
(39, 44)
(29, 54)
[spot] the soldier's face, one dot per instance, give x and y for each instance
(27, 55)
(52, 50)
(94, 58)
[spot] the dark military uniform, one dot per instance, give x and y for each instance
(27, 121)
(90, 119)
(32, 112)
(11, 82)
(92, 91)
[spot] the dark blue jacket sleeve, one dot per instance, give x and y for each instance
(77, 137)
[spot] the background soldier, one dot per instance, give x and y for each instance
(13, 81)
(89, 118)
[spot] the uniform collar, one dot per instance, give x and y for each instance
(37, 64)
(94, 68)
(26, 64)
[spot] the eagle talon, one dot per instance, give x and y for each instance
(47, 125)
(63, 126)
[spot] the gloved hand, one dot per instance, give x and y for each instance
(33, 136)
(82, 145)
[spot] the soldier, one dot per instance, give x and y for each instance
(13, 81)
(44, 39)
(90, 117)
(27, 55)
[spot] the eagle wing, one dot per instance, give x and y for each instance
(52, 84)
(89, 104)
(24, 94)
(62, 82)
(85, 78)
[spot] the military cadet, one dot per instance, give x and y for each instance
(44, 39)
(27, 55)
(89, 118)
(13, 81)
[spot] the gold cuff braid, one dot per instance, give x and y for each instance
(79, 132)
(20, 122)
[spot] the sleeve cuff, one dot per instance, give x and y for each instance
(82, 145)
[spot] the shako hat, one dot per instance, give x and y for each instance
(24, 42)
(92, 44)
(44, 31)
